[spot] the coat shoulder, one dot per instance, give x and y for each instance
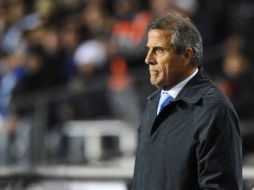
(214, 97)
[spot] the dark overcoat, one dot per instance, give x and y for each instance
(194, 143)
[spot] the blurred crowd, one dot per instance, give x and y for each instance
(84, 59)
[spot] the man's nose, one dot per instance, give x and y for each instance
(149, 58)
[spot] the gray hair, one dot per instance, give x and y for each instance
(184, 34)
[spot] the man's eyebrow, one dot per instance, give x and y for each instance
(156, 47)
(159, 47)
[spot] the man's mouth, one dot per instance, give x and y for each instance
(153, 72)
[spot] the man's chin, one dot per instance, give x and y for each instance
(163, 86)
(154, 83)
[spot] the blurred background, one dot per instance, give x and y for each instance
(73, 84)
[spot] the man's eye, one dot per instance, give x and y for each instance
(159, 50)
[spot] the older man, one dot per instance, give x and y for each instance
(189, 135)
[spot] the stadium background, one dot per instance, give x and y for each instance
(73, 85)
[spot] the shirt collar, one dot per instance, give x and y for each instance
(174, 91)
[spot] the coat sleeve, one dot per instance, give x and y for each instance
(218, 151)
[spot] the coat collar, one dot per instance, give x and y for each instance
(192, 91)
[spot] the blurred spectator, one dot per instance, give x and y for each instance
(34, 79)
(12, 72)
(69, 41)
(243, 25)
(53, 58)
(95, 22)
(90, 58)
(128, 31)
(46, 9)
(214, 23)
(236, 81)
(18, 22)
(121, 91)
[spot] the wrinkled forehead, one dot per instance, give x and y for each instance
(159, 37)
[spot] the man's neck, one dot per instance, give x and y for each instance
(174, 91)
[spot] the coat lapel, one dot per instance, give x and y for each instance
(153, 101)
(191, 93)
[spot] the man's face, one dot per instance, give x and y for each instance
(166, 67)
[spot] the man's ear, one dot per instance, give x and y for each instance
(188, 54)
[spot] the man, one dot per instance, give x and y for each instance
(192, 141)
